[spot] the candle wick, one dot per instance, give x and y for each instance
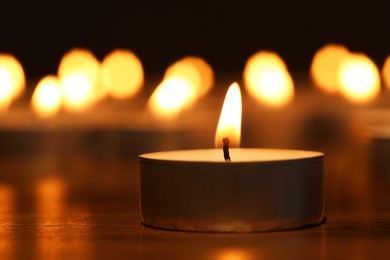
(226, 143)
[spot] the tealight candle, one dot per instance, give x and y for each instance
(232, 190)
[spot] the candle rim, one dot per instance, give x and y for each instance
(153, 157)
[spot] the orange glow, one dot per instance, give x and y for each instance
(359, 78)
(233, 254)
(82, 62)
(77, 92)
(171, 96)
(50, 198)
(184, 81)
(52, 208)
(386, 72)
(123, 74)
(185, 70)
(7, 218)
(197, 70)
(326, 65)
(12, 79)
(6, 90)
(206, 73)
(6, 199)
(268, 80)
(229, 124)
(50, 190)
(47, 97)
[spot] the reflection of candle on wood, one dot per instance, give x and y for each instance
(258, 190)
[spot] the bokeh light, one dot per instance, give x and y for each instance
(83, 63)
(77, 91)
(359, 78)
(171, 96)
(326, 65)
(386, 72)
(267, 79)
(197, 70)
(184, 82)
(123, 74)
(12, 80)
(47, 97)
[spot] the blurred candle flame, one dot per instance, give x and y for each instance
(47, 97)
(6, 90)
(80, 78)
(267, 79)
(12, 80)
(359, 78)
(77, 92)
(386, 72)
(229, 124)
(184, 82)
(123, 74)
(197, 70)
(326, 65)
(171, 96)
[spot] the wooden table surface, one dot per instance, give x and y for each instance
(83, 206)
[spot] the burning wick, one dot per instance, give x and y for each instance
(226, 143)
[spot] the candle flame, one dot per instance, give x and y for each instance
(197, 70)
(12, 80)
(77, 67)
(184, 82)
(268, 80)
(386, 72)
(326, 65)
(123, 74)
(229, 124)
(77, 92)
(359, 78)
(171, 96)
(47, 98)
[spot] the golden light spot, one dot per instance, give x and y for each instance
(77, 92)
(123, 74)
(83, 62)
(359, 78)
(171, 96)
(386, 72)
(267, 79)
(197, 70)
(12, 80)
(6, 89)
(326, 65)
(47, 98)
(184, 82)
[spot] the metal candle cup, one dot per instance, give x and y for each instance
(258, 190)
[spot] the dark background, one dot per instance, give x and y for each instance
(225, 33)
